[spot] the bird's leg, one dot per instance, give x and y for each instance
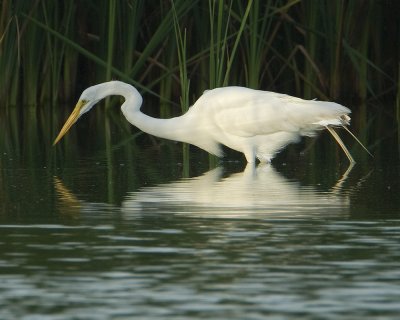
(250, 155)
(351, 133)
(250, 172)
(341, 144)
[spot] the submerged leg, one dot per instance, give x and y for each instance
(264, 159)
(338, 186)
(341, 144)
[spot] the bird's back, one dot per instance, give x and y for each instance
(260, 123)
(247, 112)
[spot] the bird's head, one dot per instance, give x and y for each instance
(87, 100)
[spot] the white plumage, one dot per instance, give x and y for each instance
(254, 122)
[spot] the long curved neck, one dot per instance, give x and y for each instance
(118, 88)
(178, 128)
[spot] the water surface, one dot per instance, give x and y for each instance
(95, 239)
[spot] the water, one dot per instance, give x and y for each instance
(94, 240)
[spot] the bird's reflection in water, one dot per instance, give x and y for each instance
(252, 193)
(255, 192)
(69, 204)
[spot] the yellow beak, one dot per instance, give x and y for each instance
(70, 121)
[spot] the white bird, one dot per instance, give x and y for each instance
(254, 122)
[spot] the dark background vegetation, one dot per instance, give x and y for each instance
(338, 49)
(347, 51)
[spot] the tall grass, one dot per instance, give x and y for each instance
(398, 108)
(185, 83)
(10, 55)
(261, 44)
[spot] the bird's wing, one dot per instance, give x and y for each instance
(251, 112)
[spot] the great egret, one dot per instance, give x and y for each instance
(257, 123)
